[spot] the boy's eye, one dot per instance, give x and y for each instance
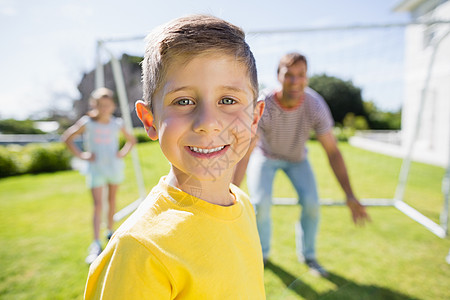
(227, 101)
(185, 102)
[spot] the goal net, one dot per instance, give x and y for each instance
(374, 58)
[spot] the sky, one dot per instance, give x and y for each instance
(47, 45)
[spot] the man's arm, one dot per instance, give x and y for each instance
(241, 166)
(337, 164)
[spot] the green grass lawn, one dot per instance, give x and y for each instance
(45, 229)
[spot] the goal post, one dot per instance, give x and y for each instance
(442, 229)
(371, 56)
(366, 55)
(126, 116)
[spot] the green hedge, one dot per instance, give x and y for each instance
(342, 134)
(33, 158)
(49, 158)
(40, 158)
(8, 166)
(140, 135)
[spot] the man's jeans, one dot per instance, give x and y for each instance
(260, 175)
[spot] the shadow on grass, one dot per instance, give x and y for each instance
(345, 289)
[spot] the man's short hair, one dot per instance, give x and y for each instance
(187, 37)
(290, 59)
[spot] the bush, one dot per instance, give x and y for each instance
(140, 135)
(40, 158)
(384, 120)
(342, 134)
(49, 158)
(341, 96)
(8, 166)
(11, 126)
(355, 122)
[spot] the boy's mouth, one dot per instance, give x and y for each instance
(206, 150)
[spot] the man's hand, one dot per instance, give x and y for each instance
(359, 214)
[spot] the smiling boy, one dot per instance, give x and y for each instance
(195, 235)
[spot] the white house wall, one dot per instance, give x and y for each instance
(433, 142)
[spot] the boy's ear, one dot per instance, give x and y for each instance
(257, 113)
(146, 117)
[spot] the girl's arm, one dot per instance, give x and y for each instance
(131, 140)
(70, 134)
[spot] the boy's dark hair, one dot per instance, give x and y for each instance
(291, 58)
(187, 37)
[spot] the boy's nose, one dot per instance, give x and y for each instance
(207, 120)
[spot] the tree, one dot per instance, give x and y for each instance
(11, 126)
(381, 119)
(341, 96)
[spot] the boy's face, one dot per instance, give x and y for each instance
(294, 80)
(204, 116)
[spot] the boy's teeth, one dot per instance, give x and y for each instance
(206, 151)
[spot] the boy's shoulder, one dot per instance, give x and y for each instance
(157, 217)
(150, 208)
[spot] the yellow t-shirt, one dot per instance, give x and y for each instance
(176, 246)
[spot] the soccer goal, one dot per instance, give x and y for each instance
(396, 66)
(392, 70)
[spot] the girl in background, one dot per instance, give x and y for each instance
(100, 130)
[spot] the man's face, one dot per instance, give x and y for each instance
(293, 80)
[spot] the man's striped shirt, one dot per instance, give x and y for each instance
(283, 132)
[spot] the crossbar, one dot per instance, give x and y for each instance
(400, 205)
